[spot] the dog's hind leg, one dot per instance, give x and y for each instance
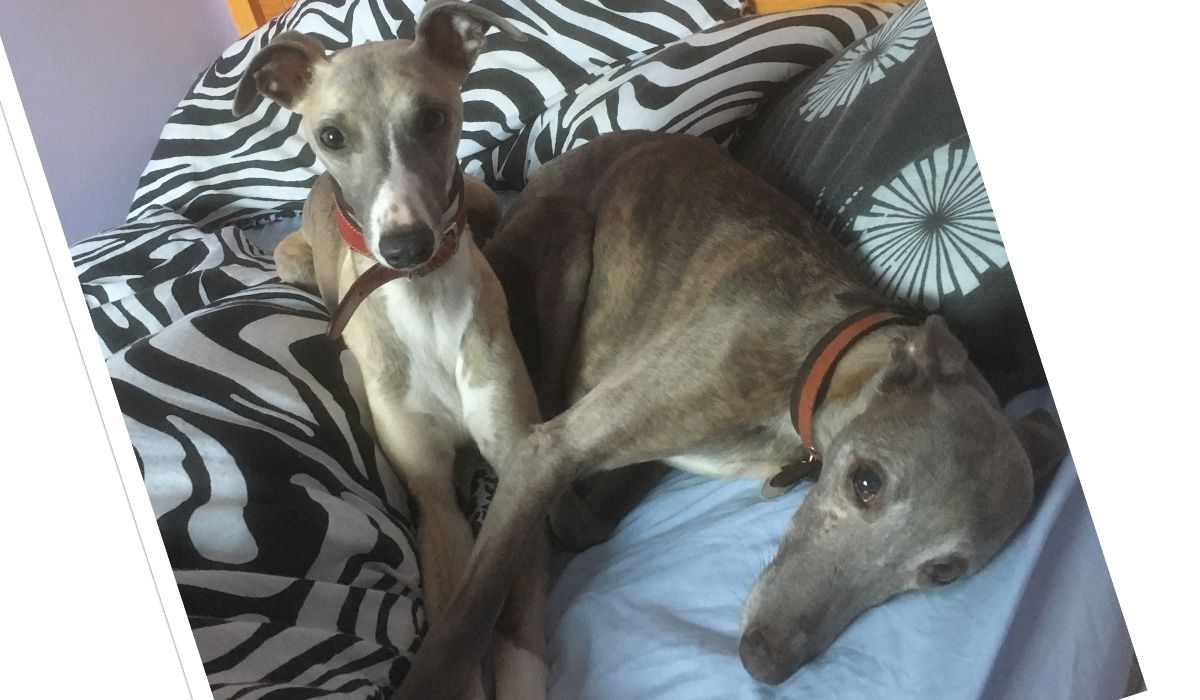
(483, 209)
(579, 442)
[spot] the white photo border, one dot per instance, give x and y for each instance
(1080, 116)
(74, 506)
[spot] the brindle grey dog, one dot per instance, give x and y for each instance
(440, 367)
(677, 296)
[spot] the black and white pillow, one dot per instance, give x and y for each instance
(705, 84)
(875, 146)
(140, 278)
(288, 533)
(216, 169)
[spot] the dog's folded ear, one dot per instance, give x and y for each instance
(1044, 443)
(282, 71)
(453, 32)
(929, 352)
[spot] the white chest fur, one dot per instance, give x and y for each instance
(724, 465)
(759, 458)
(430, 316)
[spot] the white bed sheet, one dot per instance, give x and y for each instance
(654, 612)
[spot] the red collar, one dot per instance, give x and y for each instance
(348, 230)
(453, 222)
(812, 383)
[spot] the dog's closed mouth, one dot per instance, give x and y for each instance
(454, 221)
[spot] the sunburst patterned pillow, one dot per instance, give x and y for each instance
(875, 146)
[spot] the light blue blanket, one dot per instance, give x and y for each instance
(654, 612)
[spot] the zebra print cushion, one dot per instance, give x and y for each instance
(289, 535)
(705, 84)
(140, 278)
(216, 169)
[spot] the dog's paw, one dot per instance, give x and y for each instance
(520, 674)
(574, 525)
(294, 262)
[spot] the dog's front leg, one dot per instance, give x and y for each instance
(500, 409)
(514, 525)
(520, 642)
(612, 426)
(415, 447)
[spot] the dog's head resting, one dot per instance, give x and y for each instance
(384, 118)
(924, 480)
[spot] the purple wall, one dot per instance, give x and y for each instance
(98, 80)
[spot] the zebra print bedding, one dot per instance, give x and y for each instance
(140, 278)
(586, 69)
(216, 169)
(706, 84)
(289, 534)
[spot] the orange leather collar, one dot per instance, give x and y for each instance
(812, 381)
(811, 384)
(454, 222)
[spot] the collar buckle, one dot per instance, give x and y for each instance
(784, 480)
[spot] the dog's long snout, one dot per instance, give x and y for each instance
(772, 653)
(406, 246)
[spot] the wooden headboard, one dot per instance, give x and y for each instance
(763, 7)
(249, 15)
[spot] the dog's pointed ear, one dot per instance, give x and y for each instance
(929, 352)
(1044, 443)
(282, 71)
(452, 33)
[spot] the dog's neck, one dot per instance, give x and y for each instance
(374, 276)
(852, 383)
(842, 353)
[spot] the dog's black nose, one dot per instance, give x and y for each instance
(406, 246)
(768, 653)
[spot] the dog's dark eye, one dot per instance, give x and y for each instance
(432, 118)
(940, 573)
(867, 482)
(332, 138)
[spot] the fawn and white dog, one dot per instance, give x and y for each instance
(384, 241)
